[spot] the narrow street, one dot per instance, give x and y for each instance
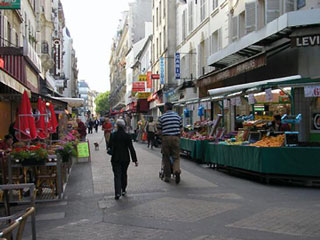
(207, 204)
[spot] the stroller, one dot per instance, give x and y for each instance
(161, 173)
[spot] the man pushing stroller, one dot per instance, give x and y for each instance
(170, 125)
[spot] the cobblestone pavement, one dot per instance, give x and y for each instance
(206, 205)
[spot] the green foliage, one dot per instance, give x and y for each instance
(102, 103)
(67, 151)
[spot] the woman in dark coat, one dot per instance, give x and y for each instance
(120, 144)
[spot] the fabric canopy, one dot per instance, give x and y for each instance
(72, 102)
(241, 87)
(25, 123)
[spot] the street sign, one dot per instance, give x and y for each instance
(177, 64)
(10, 4)
(161, 70)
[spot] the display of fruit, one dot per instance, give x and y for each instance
(277, 141)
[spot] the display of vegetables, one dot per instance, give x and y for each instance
(277, 141)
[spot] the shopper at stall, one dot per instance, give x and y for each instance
(120, 144)
(6, 144)
(170, 125)
(278, 126)
(151, 129)
(107, 128)
(82, 130)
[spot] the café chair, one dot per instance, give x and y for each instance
(46, 177)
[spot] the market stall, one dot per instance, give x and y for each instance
(269, 141)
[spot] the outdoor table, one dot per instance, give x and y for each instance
(56, 163)
(189, 146)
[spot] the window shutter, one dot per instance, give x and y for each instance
(13, 37)
(220, 38)
(206, 55)
(235, 28)
(251, 16)
(288, 6)
(5, 30)
(2, 29)
(199, 59)
(211, 43)
(272, 10)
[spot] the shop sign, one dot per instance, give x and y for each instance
(155, 76)
(312, 91)
(57, 57)
(138, 87)
(177, 63)
(143, 95)
(269, 95)
(234, 71)
(161, 70)
(306, 41)
(10, 4)
(316, 121)
(1, 63)
(142, 78)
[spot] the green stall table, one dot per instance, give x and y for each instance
(299, 161)
(189, 146)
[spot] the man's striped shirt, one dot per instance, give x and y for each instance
(170, 124)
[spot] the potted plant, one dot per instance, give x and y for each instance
(66, 151)
(33, 155)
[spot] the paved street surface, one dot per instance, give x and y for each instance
(206, 205)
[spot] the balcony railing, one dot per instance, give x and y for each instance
(31, 55)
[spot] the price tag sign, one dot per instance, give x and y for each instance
(251, 99)
(268, 95)
(83, 150)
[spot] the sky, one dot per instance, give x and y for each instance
(92, 27)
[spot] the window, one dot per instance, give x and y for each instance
(157, 16)
(301, 3)
(215, 41)
(164, 38)
(160, 44)
(9, 34)
(215, 4)
(17, 40)
(164, 8)
(157, 48)
(203, 13)
(190, 15)
(160, 12)
(234, 28)
(184, 25)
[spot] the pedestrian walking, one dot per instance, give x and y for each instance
(90, 125)
(120, 144)
(82, 130)
(170, 125)
(151, 129)
(107, 128)
(96, 124)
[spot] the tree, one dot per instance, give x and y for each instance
(102, 103)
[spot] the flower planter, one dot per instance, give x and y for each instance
(33, 162)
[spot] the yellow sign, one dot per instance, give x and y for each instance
(143, 95)
(83, 150)
(258, 117)
(142, 78)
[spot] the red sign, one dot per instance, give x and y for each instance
(138, 87)
(1, 63)
(155, 76)
(149, 80)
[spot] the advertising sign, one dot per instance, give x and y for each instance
(83, 150)
(161, 70)
(315, 121)
(142, 78)
(155, 76)
(312, 91)
(177, 63)
(143, 95)
(10, 4)
(149, 80)
(138, 87)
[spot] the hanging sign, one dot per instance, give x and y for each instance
(251, 99)
(238, 101)
(177, 63)
(226, 103)
(268, 95)
(149, 80)
(143, 95)
(312, 91)
(142, 78)
(161, 70)
(138, 87)
(155, 76)
(10, 4)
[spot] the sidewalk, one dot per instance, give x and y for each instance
(206, 205)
